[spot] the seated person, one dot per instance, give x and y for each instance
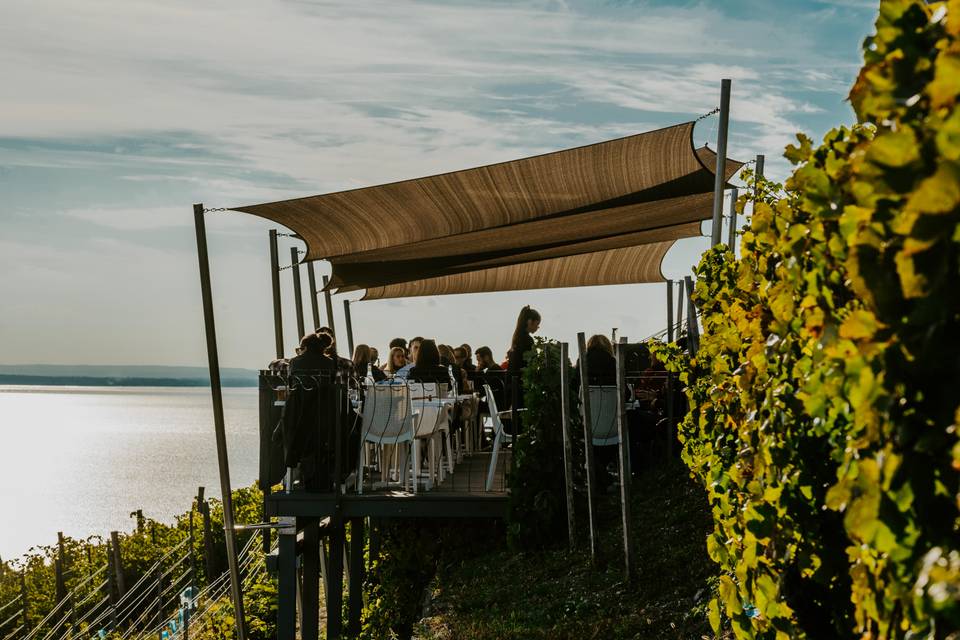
(414, 349)
(485, 360)
(448, 358)
(464, 355)
(397, 360)
(601, 365)
(312, 355)
(427, 367)
(362, 364)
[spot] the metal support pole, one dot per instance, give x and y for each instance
(669, 310)
(567, 443)
(314, 303)
(759, 165)
(297, 291)
(329, 303)
(346, 319)
(218, 420)
(60, 568)
(720, 178)
(275, 283)
(732, 241)
(626, 474)
(588, 444)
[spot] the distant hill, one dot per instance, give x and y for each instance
(121, 375)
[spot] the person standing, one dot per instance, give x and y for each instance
(528, 323)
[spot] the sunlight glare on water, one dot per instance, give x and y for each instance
(81, 459)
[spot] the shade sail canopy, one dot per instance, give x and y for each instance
(629, 265)
(511, 225)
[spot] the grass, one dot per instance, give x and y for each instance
(555, 593)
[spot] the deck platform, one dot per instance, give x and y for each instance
(461, 495)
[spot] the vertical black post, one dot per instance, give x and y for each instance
(335, 580)
(732, 240)
(275, 283)
(567, 442)
(297, 291)
(759, 168)
(669, 311)
(287, 580)
(329, 304)
(24, 601)
(210, 564)
(310, 581)
(314, 303)
(721, 170)
(356, 577)
(693, 333)
(213, 361)
(626, 473)
(349, 323)
(514, 419)
(680, 303)
(112, 589)
(588, 444)
(60, 567)
(118, 564)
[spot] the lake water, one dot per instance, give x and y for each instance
(81, 459)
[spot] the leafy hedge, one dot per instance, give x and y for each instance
(825, 398)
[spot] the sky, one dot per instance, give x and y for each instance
(117, 115)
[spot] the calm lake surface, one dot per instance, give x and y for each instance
(80, 459)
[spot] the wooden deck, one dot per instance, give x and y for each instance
(461, 495)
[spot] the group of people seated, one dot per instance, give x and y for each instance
(423, 360)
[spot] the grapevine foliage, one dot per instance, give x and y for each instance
(825, 398)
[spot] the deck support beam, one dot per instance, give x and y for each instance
(310, 581)
(297, 292)
(349, 323)
(356, 577)
(567, 443)
(314, 303)
(329, 305)
(287, 581)
(626, 473)
(213, 361)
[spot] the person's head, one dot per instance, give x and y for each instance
(398, 359)
(427, 354)
(460, 354)
(313, 344)
(467, 349)
(527, 322)
(414, 347)
(331, 349)
(447, 354)
(399, 342)
(600, 342)
(374, 355)
(485, 358)
(361, 358)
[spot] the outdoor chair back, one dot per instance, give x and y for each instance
(603, 414)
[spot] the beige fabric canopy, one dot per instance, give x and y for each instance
(629, 265)
(528, 223)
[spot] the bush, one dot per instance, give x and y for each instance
(824, 402)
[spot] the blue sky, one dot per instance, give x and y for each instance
(117, 115)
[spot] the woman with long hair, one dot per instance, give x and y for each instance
(397, 359)
(427, 367)
(528, 322)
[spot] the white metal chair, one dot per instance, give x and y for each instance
(603, 415)
(388, 419)
(499, 435)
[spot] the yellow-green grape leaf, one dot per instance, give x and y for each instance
(860, 324)
(894, 148)
(946, 80)
(940, 193)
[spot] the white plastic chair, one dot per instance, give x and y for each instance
(432, 419)
(603, 415)
(388, 419)
(499, 434)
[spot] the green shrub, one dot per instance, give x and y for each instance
(824, 399)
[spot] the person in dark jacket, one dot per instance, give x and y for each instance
(528, 322)
(485, 360)
(427, 367)
(311, 355)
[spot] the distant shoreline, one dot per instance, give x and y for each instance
(89, 381)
